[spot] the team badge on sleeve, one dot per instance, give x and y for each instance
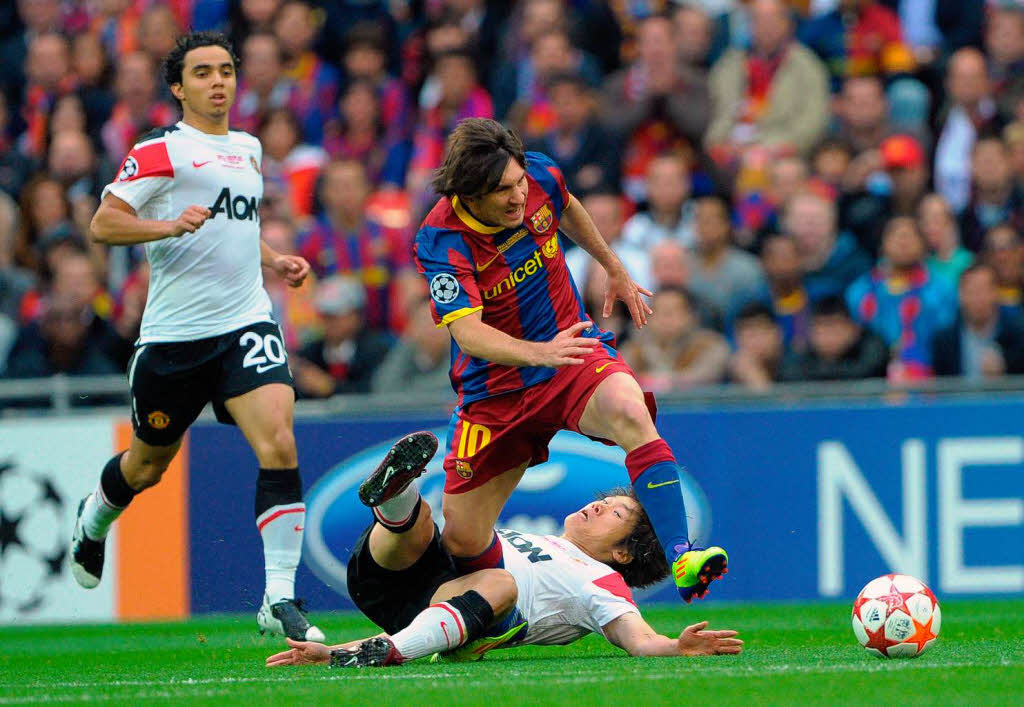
(128, 170)
(444, 288)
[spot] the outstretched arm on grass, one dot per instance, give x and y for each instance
(309, 652)
(635, 636)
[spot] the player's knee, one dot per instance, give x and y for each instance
(145, 473)
(499, 589)
(461, 543)
(276, 450)
(629, 413)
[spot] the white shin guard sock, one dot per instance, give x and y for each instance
(281, 528)
(439, 627)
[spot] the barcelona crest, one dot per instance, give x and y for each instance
(542, 219)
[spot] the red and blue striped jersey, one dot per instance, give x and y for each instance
(517, 277)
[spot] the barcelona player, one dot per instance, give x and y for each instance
(525, 361)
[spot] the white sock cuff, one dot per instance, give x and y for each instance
(275, 512)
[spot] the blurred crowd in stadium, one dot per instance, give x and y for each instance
(814, 189)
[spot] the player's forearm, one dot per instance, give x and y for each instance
(267, 254)
(654, 646)
(577, 225)
(116, 227)
(484, 341)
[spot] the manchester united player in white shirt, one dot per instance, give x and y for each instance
(191, 193)
(564, 586)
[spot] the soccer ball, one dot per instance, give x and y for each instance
(896, 616)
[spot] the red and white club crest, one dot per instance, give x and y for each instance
(896, 616)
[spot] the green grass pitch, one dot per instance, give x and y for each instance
(795, 653)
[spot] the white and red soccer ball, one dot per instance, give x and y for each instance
(896, 616)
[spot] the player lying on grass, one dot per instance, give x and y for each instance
(566, 586)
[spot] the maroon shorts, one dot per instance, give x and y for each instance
(491, 436)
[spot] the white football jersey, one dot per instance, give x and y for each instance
(563, 592)
(209, 282)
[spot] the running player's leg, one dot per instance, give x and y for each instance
(166, 399)
(469, 520)
(617, 411)
(265, 416)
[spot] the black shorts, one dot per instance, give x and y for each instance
(393, 599)
(171, 382)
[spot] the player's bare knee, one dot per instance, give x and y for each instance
(276, 450)
(499, 588)
(145, 472)
(630, 415)
(460, 543)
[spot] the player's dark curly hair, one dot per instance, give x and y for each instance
(649, 564)
(476, 155)
(174, 62)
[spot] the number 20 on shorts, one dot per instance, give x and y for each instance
(474, 438)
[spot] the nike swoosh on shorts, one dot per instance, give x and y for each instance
(264, 369)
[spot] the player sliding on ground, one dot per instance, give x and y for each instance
(191, 192)
(566, 586)
(526, 362)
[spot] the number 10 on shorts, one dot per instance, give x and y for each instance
(474, 437)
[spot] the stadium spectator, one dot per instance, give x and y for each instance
(946, 258)
(880, 184)
(62, 341)
(588, 155)
(344, 241)
(419, 361)
(1013, 136)
(986, 341)
(674, 351)
(358, 133)
(262, 85)
(695, 32)
(15, 281)
(1004, 46)
(863, 113)
(290, 166)
(45, 212)
(1004, 252)
(859, 38)
(969, 112)
(721, 274)
(670, 213)
(831, 260)
(344, 359)
(521, 90)
(460, 95)
(15, 168)
(656, 104)
(38, 17)
(995, 197)
(92, 70)
(315, 81)
(785, 292)
(757, 211)
(759, 350)
(839, 348)
(138, 109)
(293, 307)
(116, 22)
(47, 77)
(252, 17)
(366, 59)
(73, 162)
(903, 302)
(775, 94)
(158, 30)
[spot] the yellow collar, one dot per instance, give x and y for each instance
(467, 218)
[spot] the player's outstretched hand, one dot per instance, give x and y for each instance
(695, 640)
(190, 220)
(291, 268)
(301, 653)
(567, 347)
(621, 286)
